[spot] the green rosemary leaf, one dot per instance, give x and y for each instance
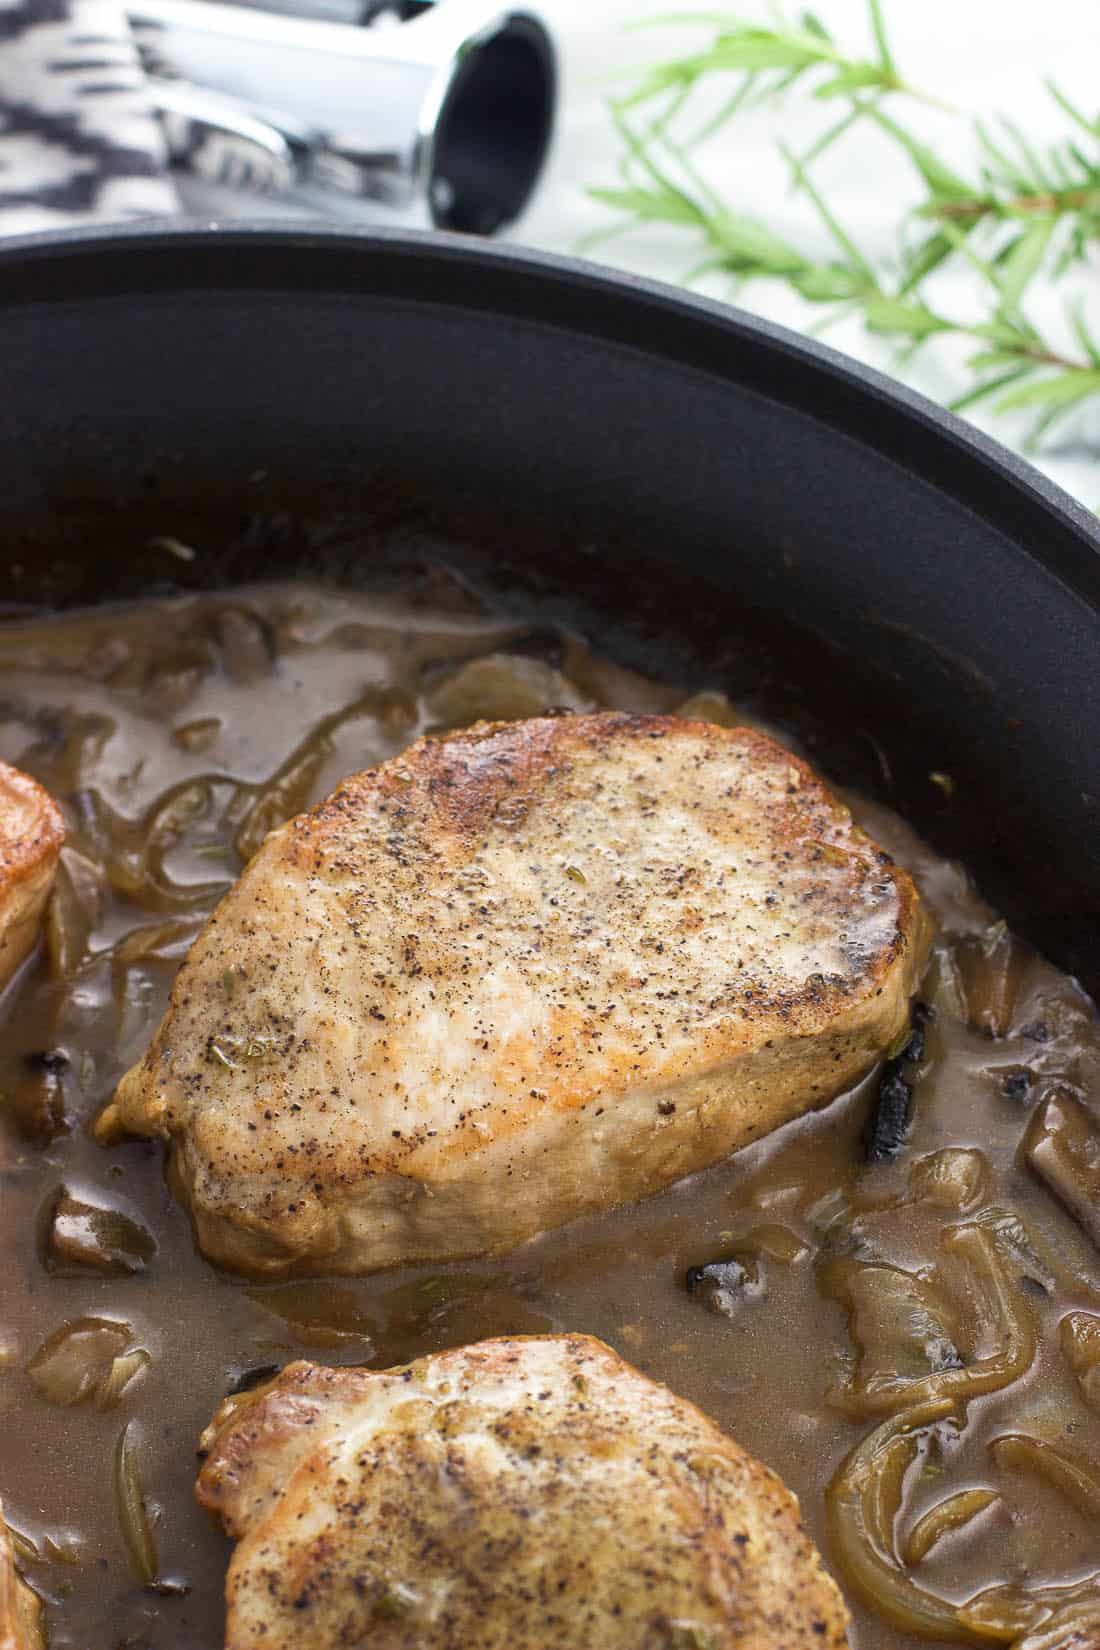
(1038, 178)
(753, 51)
(1023, 262)
(926, 257)
(724, 113)
(878, 29)
(1001, 168)
(1075, 315)
(1045, 421)
(943, 182)
(1090, 126)
(851, 79)
(993, 358)
(894, 315)
(1074, 249)
(832, 134)
(1087, 166)
(813, 25)
(753, 246)
(1060, 389)
(840, 236)
(1060, 170)
(652, 205)
(827, 283)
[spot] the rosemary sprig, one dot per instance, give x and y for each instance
(1020, 215)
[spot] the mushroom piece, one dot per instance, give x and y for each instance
(83, 1234)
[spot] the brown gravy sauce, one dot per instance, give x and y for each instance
(161, 730)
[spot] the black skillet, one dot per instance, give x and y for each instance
(699, 490)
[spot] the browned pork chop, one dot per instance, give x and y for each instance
(518, 974)
(31, 834)
(520, 1494)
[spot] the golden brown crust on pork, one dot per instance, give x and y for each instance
(527, 1493)
(21, 1625)
(31, 835)
(514, 975)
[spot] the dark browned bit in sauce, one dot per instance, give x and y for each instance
(174, 736)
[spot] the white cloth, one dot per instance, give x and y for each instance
(77, 138)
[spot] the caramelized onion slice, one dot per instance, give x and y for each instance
(904, 1330)
(133, 857)
(860, 1518)
(286, 795)
(1079, 1334)
(133, 1514)
(90, 1360)
(996, 1312)
(954, 1178)
(500, 687)
(942, 985)
(711, 706)
(157, 939)
(73, 911)
(1062, 1147)
(1017, 1245)
(954, 1513)
(1073, 1625)
(990, 970)
(293, 787)
(861, 1506)
(1078, 1481)
(1063, 1617)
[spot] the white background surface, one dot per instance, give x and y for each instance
(985, 55)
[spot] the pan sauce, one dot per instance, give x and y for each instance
(174, 736)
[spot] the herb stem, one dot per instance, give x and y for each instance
(1053, 202)
(878, 29)
(1026, 214)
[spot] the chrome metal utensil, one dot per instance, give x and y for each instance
(445, 115)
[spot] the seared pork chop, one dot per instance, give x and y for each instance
(20, 1607)
(525, 972)
(520, 1494)
(31, 834)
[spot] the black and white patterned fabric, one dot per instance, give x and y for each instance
(78, 140)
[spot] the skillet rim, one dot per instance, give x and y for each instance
(103, 262)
